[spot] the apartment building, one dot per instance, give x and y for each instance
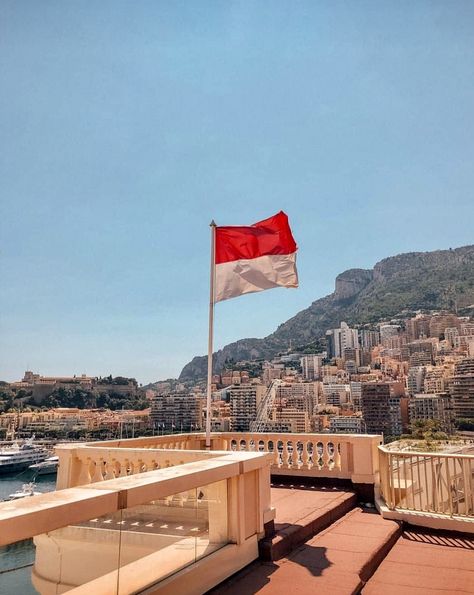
(176, 411)
(311, 366)
(380, 409)
(462, 389)
(346, 424)
(433, 406)
(244, 400)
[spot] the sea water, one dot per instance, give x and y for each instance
(16, 560)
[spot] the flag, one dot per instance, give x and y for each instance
(254, 257)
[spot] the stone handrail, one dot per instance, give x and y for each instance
(339, 456)
(425, 482)
(239, 479)
(84, 464)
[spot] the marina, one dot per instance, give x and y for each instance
(17, 559)
(18, 457)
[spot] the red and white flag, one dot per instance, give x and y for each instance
(255, 257)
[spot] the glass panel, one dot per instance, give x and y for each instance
(16, 562)
(84, 554)
(134, 548)
(171, 533)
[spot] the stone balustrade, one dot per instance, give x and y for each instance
(336, 456)
(225, 495)
(84, 464)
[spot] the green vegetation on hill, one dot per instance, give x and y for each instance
(111, 395)
(86, 399)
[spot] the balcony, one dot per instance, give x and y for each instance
(165, 515)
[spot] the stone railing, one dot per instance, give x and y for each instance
(427, 482)
(337, 456)
(173, 530)
(83, 464)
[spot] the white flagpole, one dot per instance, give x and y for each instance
(211, 333)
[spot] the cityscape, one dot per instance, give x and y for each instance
(389, 379)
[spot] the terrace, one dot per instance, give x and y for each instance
(255, 513)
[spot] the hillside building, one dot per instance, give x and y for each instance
(381, 409)
(178, 411)
(462, 389)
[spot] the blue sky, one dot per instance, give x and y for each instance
(125, 127)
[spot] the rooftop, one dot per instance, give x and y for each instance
(258, 513)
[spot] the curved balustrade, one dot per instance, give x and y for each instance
(93, 464)
(427, 482)
(322, 455)
(340, 456)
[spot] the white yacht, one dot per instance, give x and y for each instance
(16, 458)
(47, 467)
(27, 490)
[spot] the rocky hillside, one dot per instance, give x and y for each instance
(443, 279)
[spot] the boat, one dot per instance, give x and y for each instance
(17, 458)
(27, 490)
(47, 467)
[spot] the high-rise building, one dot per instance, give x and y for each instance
(435, 381)
(433, 406)
(341, 338)
(356, 394)
(298, 420)
(440, 322)
(244, 400)
(311, 366)
(451, 334)
(368, 339)
(418, 327)
(387, 331)
(271, 371)
(380, 409)
(346, 424)
(176, 411)
(352, 354)
(335, 394)
(415, 379)
(462, 388)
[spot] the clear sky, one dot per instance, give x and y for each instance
(125, 127)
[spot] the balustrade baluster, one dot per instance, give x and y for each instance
(337, 456)
(325, 456)
(84, 475)
(304, 455)
(97, 471)
(109, 469)
(285, 455)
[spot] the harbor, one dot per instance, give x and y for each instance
(16, 560)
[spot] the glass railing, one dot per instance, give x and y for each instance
(16, 562)
(135, 547)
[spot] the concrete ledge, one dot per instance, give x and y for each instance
(32, 516)
(427, 519)
(207, 572)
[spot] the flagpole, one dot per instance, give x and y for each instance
(211, 333)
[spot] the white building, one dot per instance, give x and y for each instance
(311, 366)
(342, 338)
